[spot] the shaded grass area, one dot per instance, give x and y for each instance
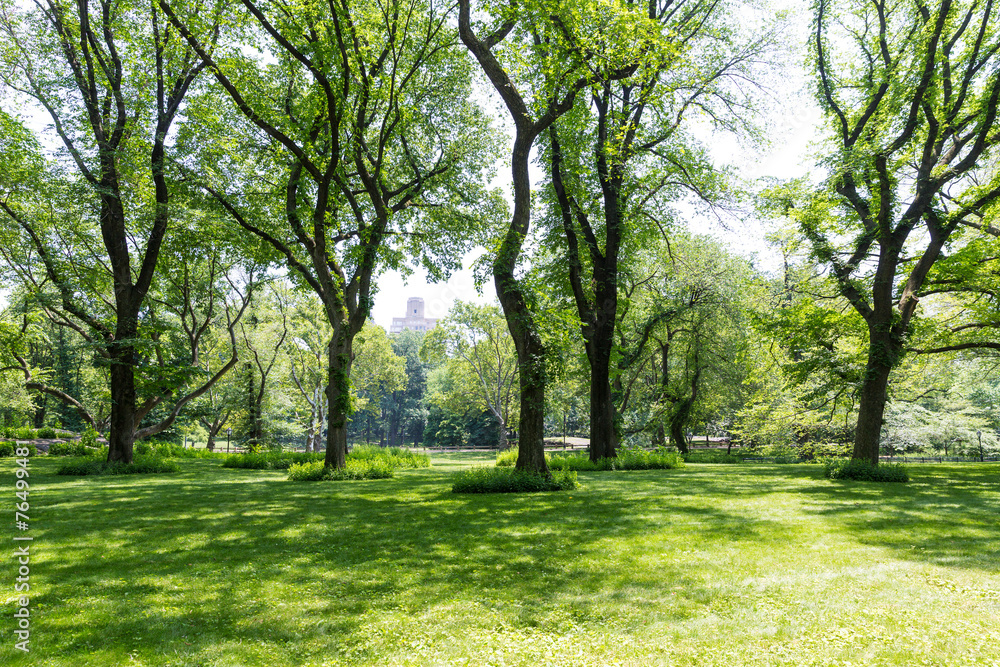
(707, 565)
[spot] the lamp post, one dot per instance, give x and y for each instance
(229, 432)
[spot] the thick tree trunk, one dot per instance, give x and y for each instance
(338, 396)
(210, 445)
(520, 321)
(531, 429)
(603, 427)
(871, 408)
(123, 400)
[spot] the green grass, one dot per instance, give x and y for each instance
(492, 479)
(706, 565)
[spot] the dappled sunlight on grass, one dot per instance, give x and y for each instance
(710, 564)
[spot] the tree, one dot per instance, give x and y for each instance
(405, 407)
(910, 92)
(554, 52)
(477, 339)
(263, 338)
(306, 350)
(361, 113)
(684, 338)
(112, 80)
(379, 371)
(622, 156)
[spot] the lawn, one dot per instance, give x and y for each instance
(706, 565)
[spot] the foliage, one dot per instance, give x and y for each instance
(139, 465)
(68, 449)
(356, 469)
(395, 457)
(864, 471)
(507, 458)
(489, 479)
(629, 458)
(375, 458)
(269, 460)
(476, 360)
(89, 437)
(7, 448)
(472, 428)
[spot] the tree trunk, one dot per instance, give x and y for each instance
(677, 423)
(123, 399)
(531, 430)
(871, 405)
(603, 431)
(520, 321)
(682, 412)
(210, 445)
(338, 396)
(502, 443)
(394, 419)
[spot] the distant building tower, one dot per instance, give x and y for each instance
(414, 318)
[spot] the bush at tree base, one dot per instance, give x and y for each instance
(489, 479)
(864, 471)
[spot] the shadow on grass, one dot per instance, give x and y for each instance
(214, 550)
(946, 515)
(190, 561)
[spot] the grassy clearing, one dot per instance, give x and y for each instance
(706, 565)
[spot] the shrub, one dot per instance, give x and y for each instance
(25, 433)
(508, 458)
(362, 470)
(642, 459)
(864, 471)
(313, 471)
(89, 437)
(629, 458)
(487, 479)
(140, 465)
(10, 448)
(269, 460)
(309, 471)
(395, 457)
(47, 433)
(68, 449)
(374, 458)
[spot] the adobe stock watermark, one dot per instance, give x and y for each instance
(22, 552)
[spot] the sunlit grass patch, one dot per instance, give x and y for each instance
(706, 565)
